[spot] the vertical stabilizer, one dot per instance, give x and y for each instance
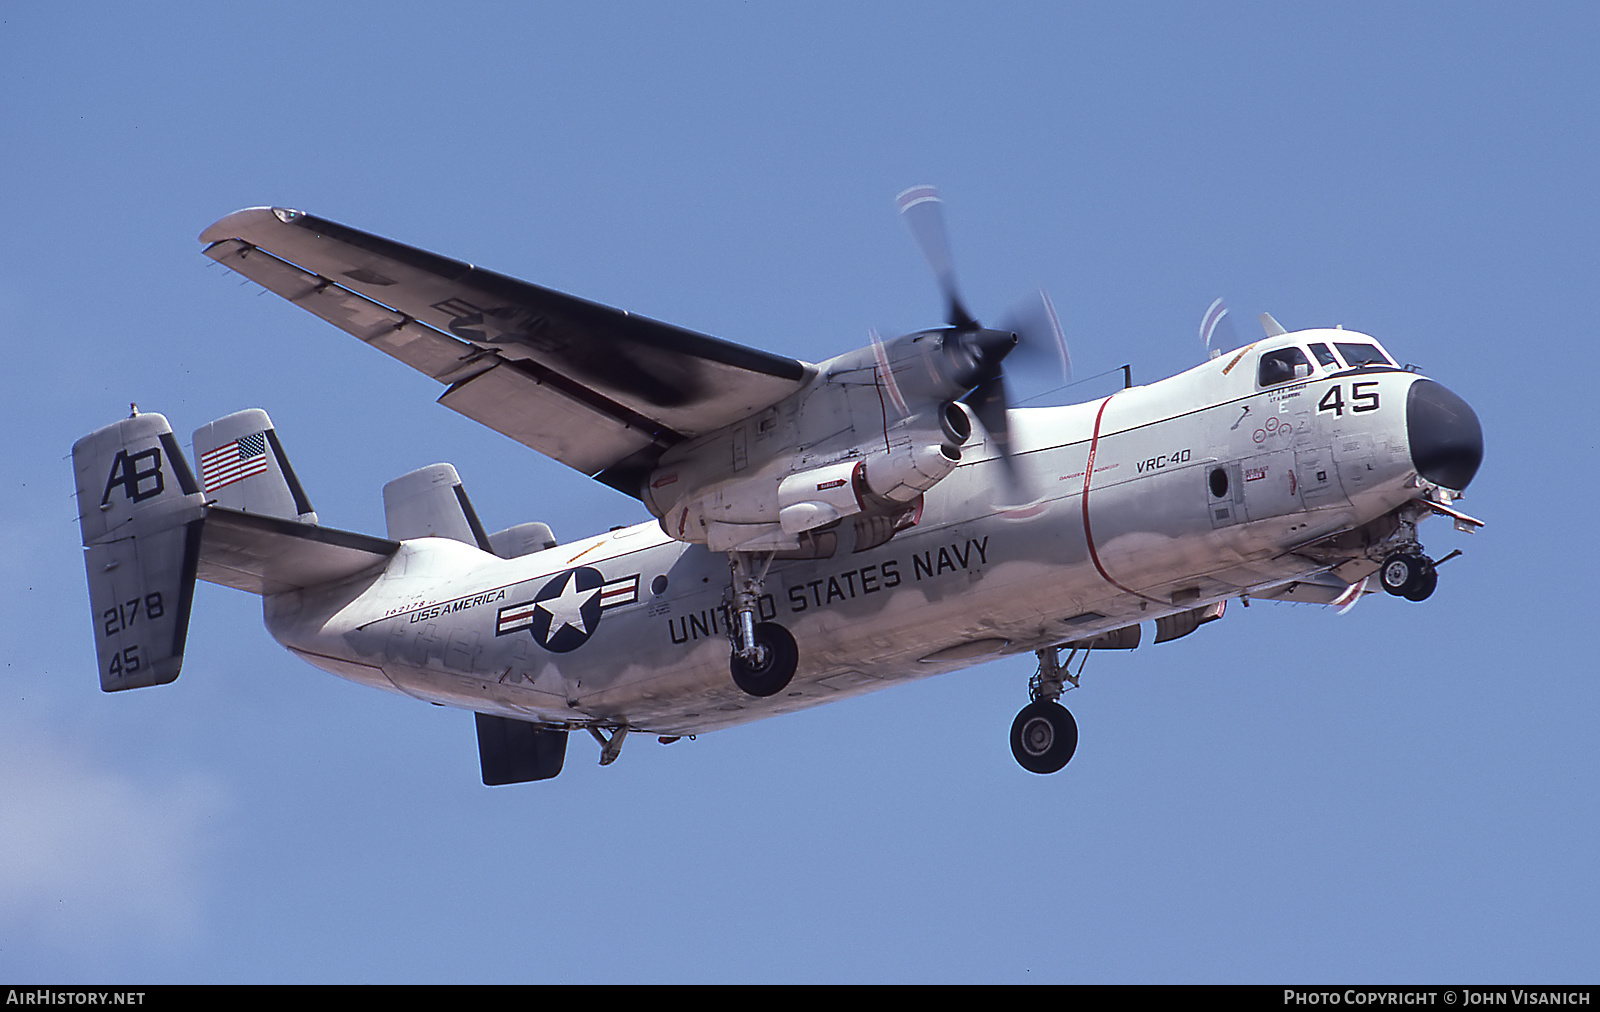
(523, 539)
(141, 511)
(243, 467)
(430, 502)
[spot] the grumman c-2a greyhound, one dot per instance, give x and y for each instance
(821, 530)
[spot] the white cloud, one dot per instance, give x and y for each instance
(92, 859)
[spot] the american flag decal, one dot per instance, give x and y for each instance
(234, 461)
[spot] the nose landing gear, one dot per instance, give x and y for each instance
(1410, 575)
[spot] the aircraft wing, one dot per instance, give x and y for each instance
(598, 389)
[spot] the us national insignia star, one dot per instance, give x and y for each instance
(567, 608)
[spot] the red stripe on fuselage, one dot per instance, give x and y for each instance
(1088, 534)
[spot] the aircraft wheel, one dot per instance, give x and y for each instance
(1404, 573)
(1044, 736)
(777, 656)
(1424, 588)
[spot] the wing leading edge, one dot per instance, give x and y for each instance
(599, 389)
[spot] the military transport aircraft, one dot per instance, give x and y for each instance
(821, 529)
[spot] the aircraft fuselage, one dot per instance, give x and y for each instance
(1155, 500)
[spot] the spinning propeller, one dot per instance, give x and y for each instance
(974, 354)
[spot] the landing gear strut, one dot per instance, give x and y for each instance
(765, 655)
(1044, 736)
(1405, 571)
(610, 747)
(771, 664)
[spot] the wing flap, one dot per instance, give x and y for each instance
(537, 415)
(269, 555)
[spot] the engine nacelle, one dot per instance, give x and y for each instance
(819, 496)
(908, 472)
(728, 492)
(766, 511)
(762, 513)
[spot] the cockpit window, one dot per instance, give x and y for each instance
(1283, 365)
(1359, 355)
(1324, 356)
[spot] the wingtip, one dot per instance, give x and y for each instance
(240, 223)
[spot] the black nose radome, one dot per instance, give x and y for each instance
(1446, 439)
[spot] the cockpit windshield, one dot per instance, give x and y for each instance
(1358, 355)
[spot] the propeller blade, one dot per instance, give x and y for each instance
(886, 380)
(973, 356)
(1040, 342)
(1216, 327)
(989, 402)
(1344, 602)
(921, 208)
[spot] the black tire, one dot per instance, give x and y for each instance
(1403, 573)
(1044, 736)
(1425, 586)
(778, 656)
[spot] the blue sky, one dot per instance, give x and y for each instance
(1404, 793)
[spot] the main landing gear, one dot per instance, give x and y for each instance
(766, 669)
(1044, 736)
(765, 655)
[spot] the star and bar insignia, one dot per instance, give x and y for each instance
(567, 609)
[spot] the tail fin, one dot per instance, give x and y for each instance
(431, 503)
(141, 513)
(244, 467)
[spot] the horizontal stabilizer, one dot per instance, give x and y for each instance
(269, 555)
(261, 534)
